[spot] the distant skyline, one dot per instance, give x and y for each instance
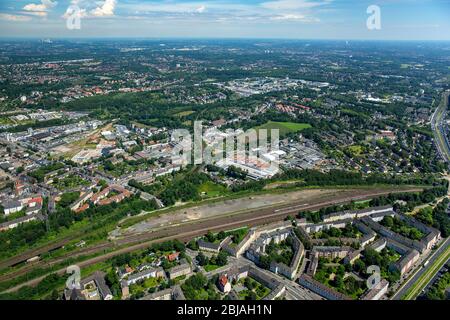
(276, 19)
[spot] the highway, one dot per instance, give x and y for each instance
(438, 126)
(440, 254)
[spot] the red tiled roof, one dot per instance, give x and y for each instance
(84, 207)
(223, 280)
(38, 200)
(173, 256)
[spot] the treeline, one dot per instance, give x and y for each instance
(46, 289)
(40, 173)
(332, 178)
(149, 108)
(183, 186)
(38, 125)
(26, 235)
(437, 217)
(198, 287)
(412, 199)
(403, 202)
(64, 217)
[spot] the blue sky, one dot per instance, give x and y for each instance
(300, 19)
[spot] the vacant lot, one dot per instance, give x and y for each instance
(284, 127)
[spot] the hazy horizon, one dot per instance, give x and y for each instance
(410, 20)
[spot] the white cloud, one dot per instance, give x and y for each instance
(35, 13)
(200, 9)
(293, 4)
(45, 5)
(40, 9)
(295, 17)
(14, 17)
(105, 10)
(226, 10)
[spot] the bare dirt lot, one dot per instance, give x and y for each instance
(287, 204)
(231, 206)
(290, 202)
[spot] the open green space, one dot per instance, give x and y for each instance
(284, 127)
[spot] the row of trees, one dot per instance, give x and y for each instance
(436, 217)
(198, 287)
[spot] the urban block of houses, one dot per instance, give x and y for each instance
(93, 287)
(16, 222)
(234, 274)
(183, 269)
(145, 274)
(214, 247)
(290, 271)
(330, 252)
(258, 248)
(424, 245)
(85, 196)
(356, 214)
(174, 293)
(101, 198)
(31, 205)
(242, 246)
(376, 292)
(321, 289)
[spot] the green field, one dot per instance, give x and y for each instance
(211, 267)
(184, 113)
(355, 150)
(284, 127)
(210, 190)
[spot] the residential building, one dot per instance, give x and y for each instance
(184, 268)
(321, 289)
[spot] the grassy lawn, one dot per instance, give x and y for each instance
(284, 127)
(332, 274)
(253, 288)
(184, 113)
(211, 190)
(355, 150)
(211, 267)
(417, 287)
(69, 182)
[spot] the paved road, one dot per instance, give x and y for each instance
(436, 276)
(421, 270)
(438, 127)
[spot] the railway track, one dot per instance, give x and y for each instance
(187, 231)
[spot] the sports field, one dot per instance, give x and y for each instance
(284, 127)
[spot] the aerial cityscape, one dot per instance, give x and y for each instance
(222, 167)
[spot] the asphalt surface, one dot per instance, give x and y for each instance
(419, 272)
(438, 127)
